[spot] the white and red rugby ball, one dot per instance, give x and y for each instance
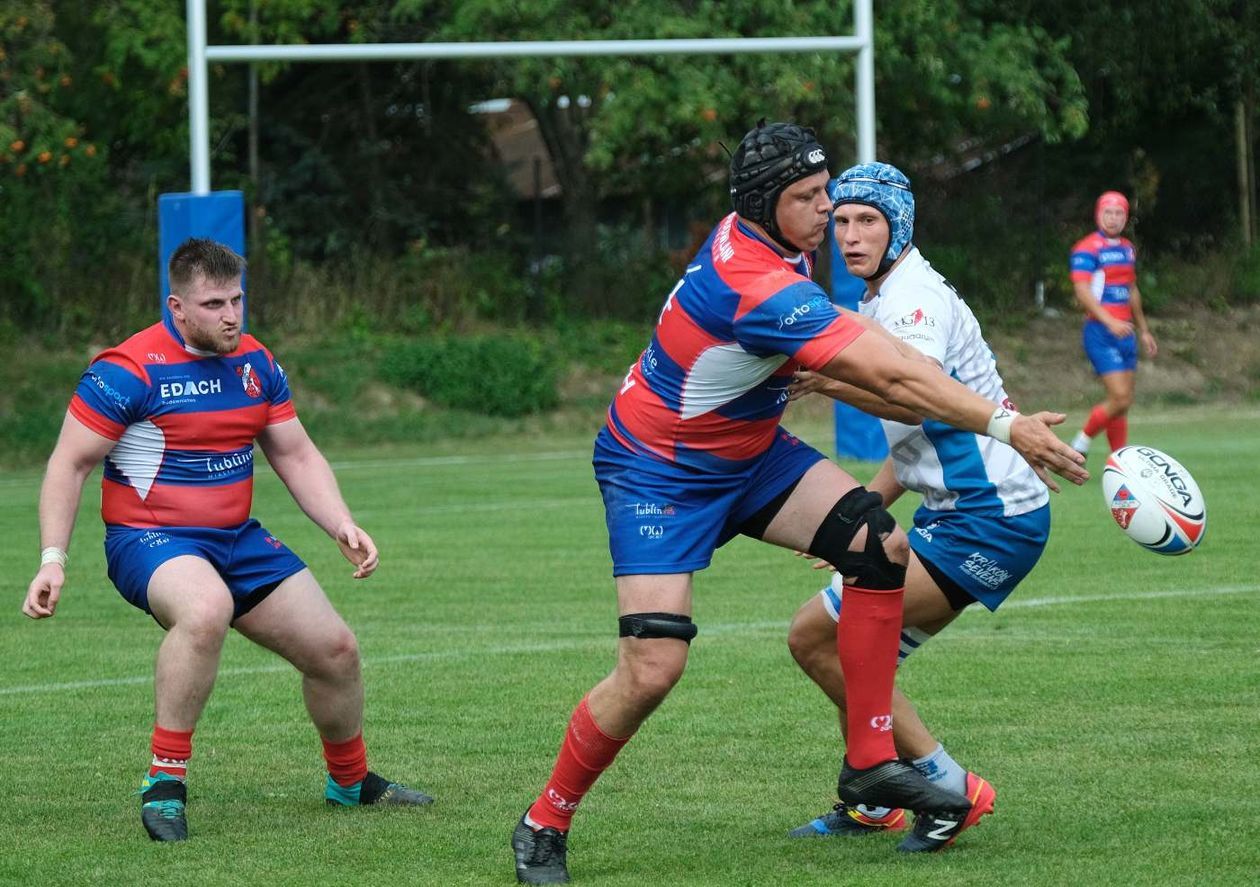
(1154, 500)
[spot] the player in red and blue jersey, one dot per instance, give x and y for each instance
(174, 412)
(692, 454)
(1104, 278)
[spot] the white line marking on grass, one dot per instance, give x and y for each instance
(730, 628)
(273, 668)
(1132, 596)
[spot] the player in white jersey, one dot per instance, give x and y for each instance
(985, 516)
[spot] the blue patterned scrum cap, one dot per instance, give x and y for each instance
(887, 189)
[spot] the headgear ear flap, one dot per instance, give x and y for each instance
(768, 159)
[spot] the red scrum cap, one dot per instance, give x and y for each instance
(1107, 200)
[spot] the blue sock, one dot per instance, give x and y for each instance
(940, 768)
(342, 795)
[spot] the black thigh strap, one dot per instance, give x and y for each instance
(657, 625)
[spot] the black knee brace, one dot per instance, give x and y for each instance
(657, 625)
(870, 567)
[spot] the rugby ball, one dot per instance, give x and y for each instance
(1154, 500)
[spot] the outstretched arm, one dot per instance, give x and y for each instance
(808, 382)
(78, 451)
(870, 362)
(310, 479)
(885, 483)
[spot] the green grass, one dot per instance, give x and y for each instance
(1112, 702)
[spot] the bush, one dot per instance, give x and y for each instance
(497, 376)
(1247, 281)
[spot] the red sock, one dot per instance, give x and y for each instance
(1118, 432)
(171, 751)
(869, 635)
(347, 761)
(1097, 421)
(587, 751)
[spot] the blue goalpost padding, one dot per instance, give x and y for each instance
(858, 435)
(219, 215)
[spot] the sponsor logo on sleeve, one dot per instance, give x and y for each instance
(917, 317)
(112, 394)
(801, 311)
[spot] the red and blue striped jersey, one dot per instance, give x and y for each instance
(710, 389)
(185, 423)
(1109, 266)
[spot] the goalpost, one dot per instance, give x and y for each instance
(221, 215)
(200, 55)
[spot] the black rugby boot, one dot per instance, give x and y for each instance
(896, 783)
(541, 854)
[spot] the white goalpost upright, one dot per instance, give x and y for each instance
(200, 55)
(203, 213)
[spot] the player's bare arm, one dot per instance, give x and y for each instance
(310, 480)
(1095, 310)
(869, 363)
(808, 382)
(78, 451)
(885, 483)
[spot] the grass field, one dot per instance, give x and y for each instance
(1113, 702)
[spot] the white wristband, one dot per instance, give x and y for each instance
(53, 555)
(1000, 424)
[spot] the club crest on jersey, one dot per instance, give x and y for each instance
(249, 379)
(1123, 505)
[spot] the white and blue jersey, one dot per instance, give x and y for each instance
(985, 516)
(952, 469)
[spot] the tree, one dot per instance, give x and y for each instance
(49, 167)
(649, 125)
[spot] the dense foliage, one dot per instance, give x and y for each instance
(377, 191)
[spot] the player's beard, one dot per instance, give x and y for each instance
(217, 341)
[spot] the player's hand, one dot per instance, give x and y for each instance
(1148, 342)
(806, 382)
(1041, 448)
(44, 592)
(818, 563)
(1121, 329)
(358, 548)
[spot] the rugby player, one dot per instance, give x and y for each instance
(1104, 278)
(985, 516)
(174, 412)
(692, 454)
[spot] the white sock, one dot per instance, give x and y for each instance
(940, 768)
(1080, 443)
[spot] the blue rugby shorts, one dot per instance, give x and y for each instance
(250, 560)
(665, 519)
(986, 555)
(1107, 353)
